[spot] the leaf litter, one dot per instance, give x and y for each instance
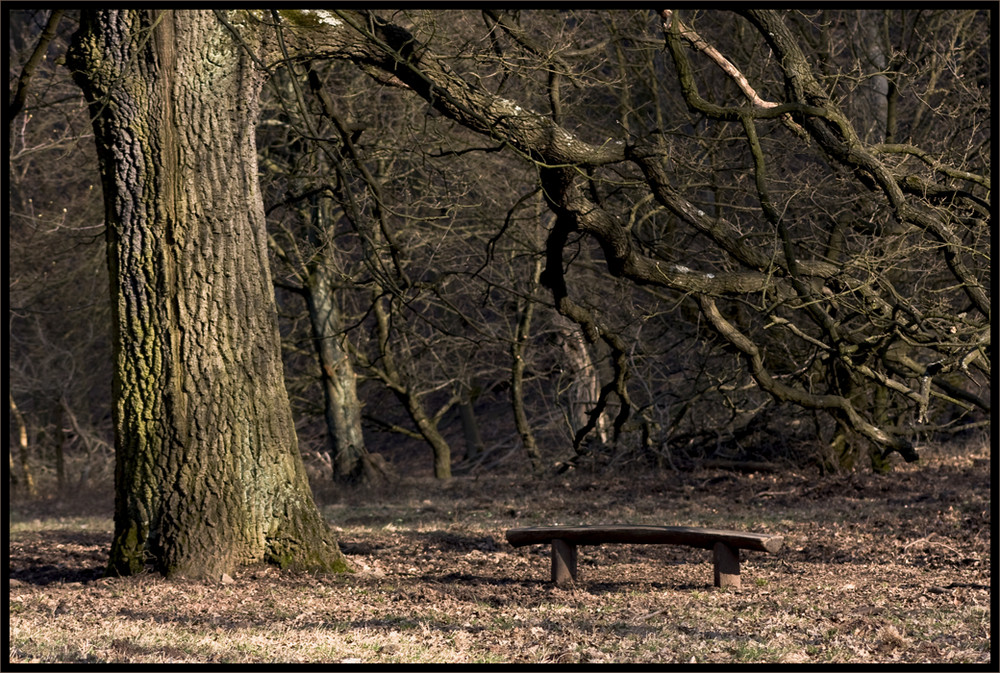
(875, 569)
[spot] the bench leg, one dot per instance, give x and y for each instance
(563, 562)
(727, 565)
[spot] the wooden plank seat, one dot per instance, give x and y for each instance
(725, 545)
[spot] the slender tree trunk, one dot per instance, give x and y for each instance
(426, 425)
(428, 429)
(880, 464)
(584, 387)
(208, 475)
(873, 96)
(517, 373)
(342, 408)
(11, 475)
(470, 428)
(22, 443)
(60, 439)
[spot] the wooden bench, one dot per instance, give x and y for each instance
(725, 545)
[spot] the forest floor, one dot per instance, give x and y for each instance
(875, 568)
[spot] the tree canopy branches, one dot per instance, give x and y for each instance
(844, 299)
(659, 231)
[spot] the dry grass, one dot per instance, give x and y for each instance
(875, 569)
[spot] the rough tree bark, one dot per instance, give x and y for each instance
(342, 409)
(350, 459)
(208, 473)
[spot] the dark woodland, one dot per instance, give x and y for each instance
(317, 303)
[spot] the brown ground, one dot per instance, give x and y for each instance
(892, 568)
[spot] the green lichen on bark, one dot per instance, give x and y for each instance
(208, 475)
(289, 555)
(128, 552)
(300, 539)
(299, 18)
(310, 18)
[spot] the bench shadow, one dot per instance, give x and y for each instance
(599, 588)
(470, 579)
(461, 580)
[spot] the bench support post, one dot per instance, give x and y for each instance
(563, 562)
(725, 545)
(727, 565)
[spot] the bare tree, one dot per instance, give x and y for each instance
(826, 283)
(208, 472)
(57, 336)
(756, 220)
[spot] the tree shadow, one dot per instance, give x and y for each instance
(49, 556)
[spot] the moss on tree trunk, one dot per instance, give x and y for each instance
(208, 474)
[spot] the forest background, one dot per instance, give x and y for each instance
(410, 270)
(714, 281)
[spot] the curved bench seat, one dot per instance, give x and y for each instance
(725, 544)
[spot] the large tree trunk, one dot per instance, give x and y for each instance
(208, 474)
